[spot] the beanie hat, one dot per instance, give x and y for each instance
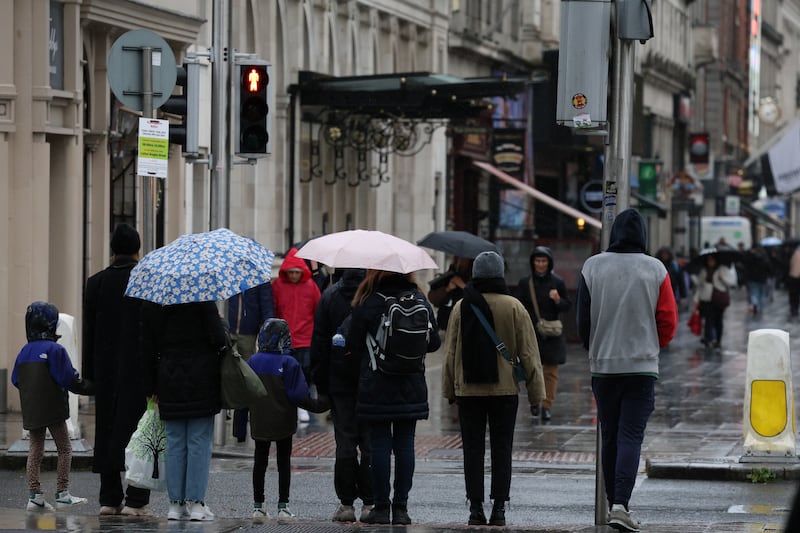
(125, 240)
(488, 265)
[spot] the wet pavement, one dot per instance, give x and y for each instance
(691, 451)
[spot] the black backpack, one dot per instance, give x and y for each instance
(401, 341)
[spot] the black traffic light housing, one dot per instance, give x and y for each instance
(186, 106)
(252, 110)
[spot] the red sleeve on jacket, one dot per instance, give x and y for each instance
(666, 313)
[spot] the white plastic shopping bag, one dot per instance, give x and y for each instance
(145, 465)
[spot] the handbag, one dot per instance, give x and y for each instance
(145, 454)
(519, 371)
(720, 298)
(695, 323)
(241, 386)
(545, 328)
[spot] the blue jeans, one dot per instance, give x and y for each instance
(188, 457)
(624, 404)
(757, 291)
(386, 437)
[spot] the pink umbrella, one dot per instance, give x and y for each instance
(367, 249)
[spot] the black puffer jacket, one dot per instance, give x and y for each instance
(383, 397)
(181, 347)
(552, 350)
(335, 370)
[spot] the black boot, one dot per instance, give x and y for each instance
(378, 515)
(400, 514)
(476, 514)
(498, 517)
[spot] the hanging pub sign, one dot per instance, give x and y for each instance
(508, 151)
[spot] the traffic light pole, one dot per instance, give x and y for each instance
(222, 68)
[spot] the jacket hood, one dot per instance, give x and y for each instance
(541, 251)
(274, 337)
(292, 261)
(628, 234)
(41, 321)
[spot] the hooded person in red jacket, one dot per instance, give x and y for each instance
(296, 296)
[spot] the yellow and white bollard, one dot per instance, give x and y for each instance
(769, 419)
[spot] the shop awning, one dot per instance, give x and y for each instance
(538, 195)
(409, 94)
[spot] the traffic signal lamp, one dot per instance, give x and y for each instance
(186, 106)
(252, 110)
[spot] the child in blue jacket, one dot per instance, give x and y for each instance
(275, 417)
(43, 373)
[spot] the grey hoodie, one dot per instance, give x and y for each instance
(626, 309)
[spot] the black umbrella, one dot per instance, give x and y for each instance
(458, 243)
(724, 255)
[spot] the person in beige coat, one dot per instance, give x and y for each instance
(481, 381)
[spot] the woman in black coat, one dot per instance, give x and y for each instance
(181, 349)
(391, 404)
(552, 299)
(111, 362)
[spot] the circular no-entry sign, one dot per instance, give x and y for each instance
(592, 196)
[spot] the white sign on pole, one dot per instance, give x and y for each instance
(153, 155)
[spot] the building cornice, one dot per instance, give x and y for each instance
(115, 15)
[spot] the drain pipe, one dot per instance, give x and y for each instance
(292, 166)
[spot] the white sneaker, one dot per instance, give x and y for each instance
(621, 520)
(260, 514)
(199, 511)
(108, 510)
(178, 511)
(38, 503)
(302, 415)
(65, 499)
(285, 516)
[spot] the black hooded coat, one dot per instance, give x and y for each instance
(552, 350)
(111, 361)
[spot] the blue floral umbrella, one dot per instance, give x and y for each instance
(200, 267)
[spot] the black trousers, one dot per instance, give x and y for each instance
(283, 458)
(351, 475)
(501, 414)
(111, 492)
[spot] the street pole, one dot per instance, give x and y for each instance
(148, 182)
(220, 143)
(220, 90)
(617, 195)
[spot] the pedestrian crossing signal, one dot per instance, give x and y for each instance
(252, 111)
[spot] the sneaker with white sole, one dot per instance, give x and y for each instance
(110, 510)
(260, 514)
(620, 519)
(65, 499)
(344, 513)
(178, 511)
(199, 511)
(36, 502)
(285, 516)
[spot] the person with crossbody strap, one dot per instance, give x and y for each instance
(544, 295)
